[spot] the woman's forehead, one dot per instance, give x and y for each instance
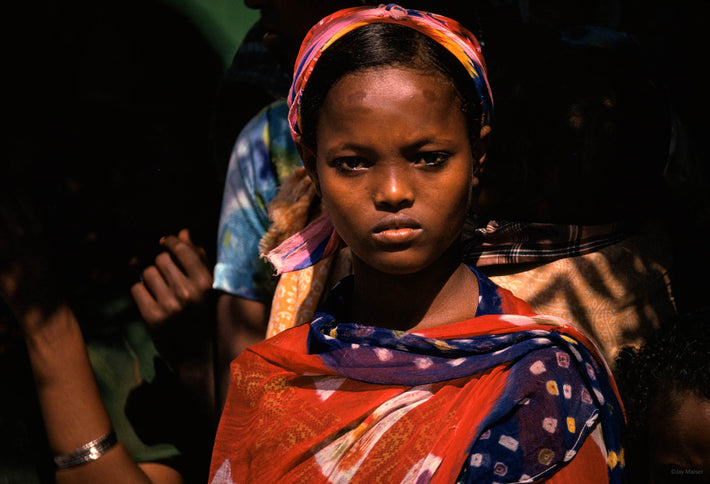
(392, 106)
(387, 82)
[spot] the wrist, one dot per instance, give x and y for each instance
(87, 453)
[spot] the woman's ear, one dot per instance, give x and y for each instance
(308, 156)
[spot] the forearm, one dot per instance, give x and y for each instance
(187, 344)
(71, 404)
(240, 323)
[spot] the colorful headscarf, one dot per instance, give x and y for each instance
(319, 239)
(445, 31)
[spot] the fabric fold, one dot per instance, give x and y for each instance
(306, 247)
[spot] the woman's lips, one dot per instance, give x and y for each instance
(396, 236)
(396, 229)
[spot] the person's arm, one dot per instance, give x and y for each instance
(243, 283)
(73, 411)
(175, 300)
(72, 408)
(241, 322)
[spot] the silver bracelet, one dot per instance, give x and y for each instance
(88, 452)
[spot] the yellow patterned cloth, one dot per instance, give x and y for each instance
(617, 295)
(298, 293)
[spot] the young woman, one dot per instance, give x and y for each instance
(417, 368)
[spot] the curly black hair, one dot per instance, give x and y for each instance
(675, 360)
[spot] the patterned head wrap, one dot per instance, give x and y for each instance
(319, 239)
(445, 31)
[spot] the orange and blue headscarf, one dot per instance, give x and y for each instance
(447, 32)
(319, 239)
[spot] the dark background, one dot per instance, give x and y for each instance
(107, 110)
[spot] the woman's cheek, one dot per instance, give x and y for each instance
(342, 211)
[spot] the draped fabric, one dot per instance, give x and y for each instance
(507, 396)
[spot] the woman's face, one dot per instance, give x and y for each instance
(394, 166)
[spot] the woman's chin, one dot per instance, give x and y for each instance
(400, 263)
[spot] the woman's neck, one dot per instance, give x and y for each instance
(443, 293)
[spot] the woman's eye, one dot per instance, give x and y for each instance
(350, 163)
(432, 159)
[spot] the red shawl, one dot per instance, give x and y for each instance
(499, 398)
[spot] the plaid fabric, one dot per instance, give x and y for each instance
(507, 242)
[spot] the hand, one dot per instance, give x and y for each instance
(179, 279)
(27, 270)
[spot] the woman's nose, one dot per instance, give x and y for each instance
(393, 188)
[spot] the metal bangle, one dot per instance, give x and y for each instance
(88, 452)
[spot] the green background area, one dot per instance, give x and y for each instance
(223, 22)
